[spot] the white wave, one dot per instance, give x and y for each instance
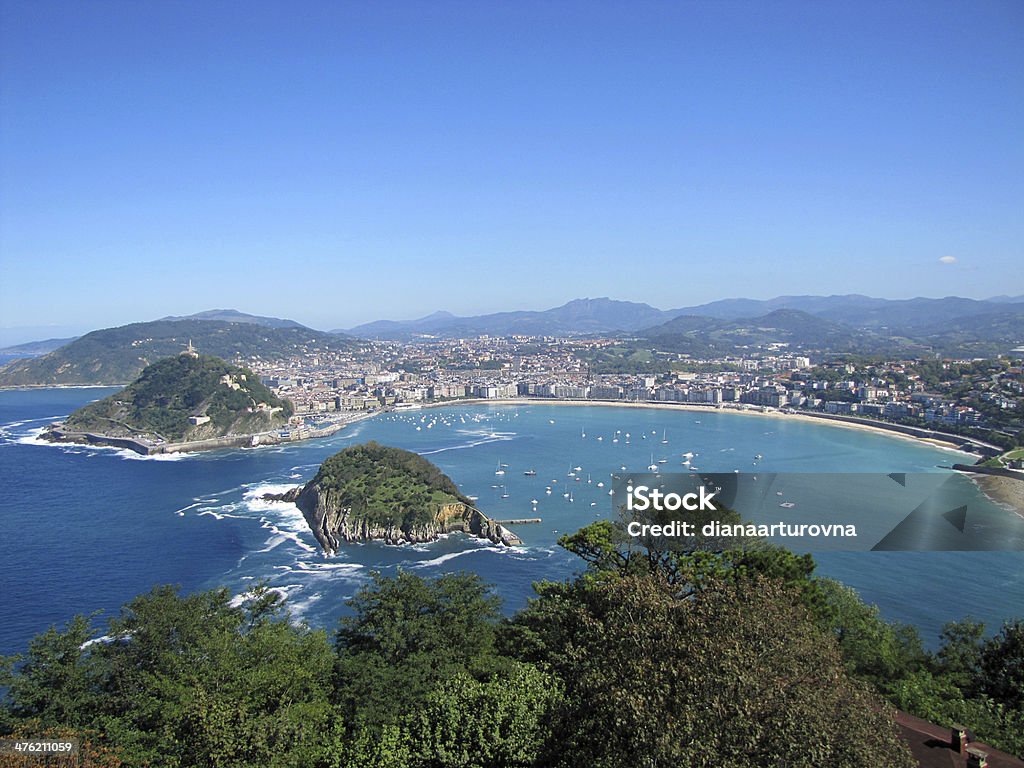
(254, 498)
(298, 608)
(452, 555)
(283, 591)
(124, 453)
(290, 535)
(320, 567)
(490, 437)
(34, 437)
(96, 640)
(220, 515)
(272, 543)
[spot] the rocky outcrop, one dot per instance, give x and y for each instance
(333, 523)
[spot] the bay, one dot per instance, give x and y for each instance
(86, 529)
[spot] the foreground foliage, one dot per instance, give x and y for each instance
(738, 658)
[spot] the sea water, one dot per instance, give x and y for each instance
(86, 529)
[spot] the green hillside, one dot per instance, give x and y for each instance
(118, 355)
(170, 391)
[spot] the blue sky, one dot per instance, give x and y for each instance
(341, 162)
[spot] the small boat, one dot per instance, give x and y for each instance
(534, 502)
(652, 467)
(577, 469)
(664, 437)
(583, 434)
(548, 490)
(663, 461)
(600, 485)
(565, 495)
(551, 421)
(504, 493)
(787, 504)
(599, 438)
(593, 503)
(530, 473)
(498, 470)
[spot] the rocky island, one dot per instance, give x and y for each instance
(186, 402)
(373, 492)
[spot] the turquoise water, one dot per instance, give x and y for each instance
(87, 528)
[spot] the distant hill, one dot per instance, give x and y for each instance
(850, 322)
(36, 348)
(975, 335)
(581, 316)
(234, 316)
(898, 318)
(801, 331)
(118, 355)
(168, 392)
(893, 316)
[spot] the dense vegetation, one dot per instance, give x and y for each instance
(167, 392)
(654, 656)
(385, 485)
(738, 658)
(118, 355)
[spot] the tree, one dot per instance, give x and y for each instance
(194, 680)
(735, 674)
(53, 686)
(503, 722)
(407, 635)
(874, 650)
(959, 657)
(1002, 665)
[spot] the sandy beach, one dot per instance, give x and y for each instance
(1005, 491)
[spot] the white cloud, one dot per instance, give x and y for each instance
(947, 259)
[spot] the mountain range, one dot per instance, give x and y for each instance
(951, 326)
(604, 315)
(580, 316)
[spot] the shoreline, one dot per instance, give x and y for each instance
(893, 430)
(57, 436)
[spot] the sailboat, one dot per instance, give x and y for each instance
(653, 467)
(498, 470)
(504, 491)
(664, 437)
